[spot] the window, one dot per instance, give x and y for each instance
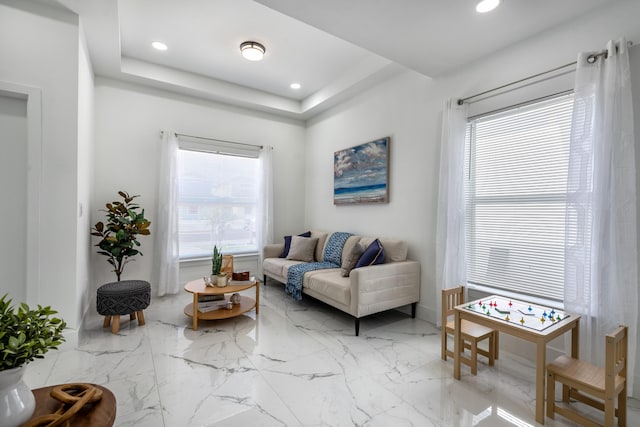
(217, 201)
(515, 191)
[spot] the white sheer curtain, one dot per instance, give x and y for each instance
(166, 258)
(265, 204)
(450, 242)
(601, 274)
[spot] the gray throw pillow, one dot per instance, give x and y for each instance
(351, 259)
(302, 248)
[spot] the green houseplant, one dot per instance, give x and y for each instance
(216, 261)
(119, 235)
(25, 335)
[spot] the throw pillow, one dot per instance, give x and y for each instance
(287, 243)
(373, 255)
(302, 248)
(352, 259)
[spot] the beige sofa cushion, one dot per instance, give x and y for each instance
(277, 267)
(330, 283)
(351, 257)
(394, 250)
(322, 239)
(302, 248)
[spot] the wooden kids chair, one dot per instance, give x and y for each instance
(472, 333)
(583, 381)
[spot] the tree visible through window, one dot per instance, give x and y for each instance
(515, 191)
(217, 203)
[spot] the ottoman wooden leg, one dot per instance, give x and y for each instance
(132, 316)
(140, 317)
(115, 327)
(107, 322)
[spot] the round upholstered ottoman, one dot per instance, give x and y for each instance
(121, 298)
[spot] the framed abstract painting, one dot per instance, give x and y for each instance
(361, 173)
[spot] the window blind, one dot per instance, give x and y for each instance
(515, 190)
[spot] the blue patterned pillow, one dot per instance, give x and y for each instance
(287, 243)
(373, 255)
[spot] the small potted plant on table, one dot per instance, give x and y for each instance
(24, 336)
(216, 265)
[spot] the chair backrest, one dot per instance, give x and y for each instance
(227, 265)
(450, 298)
(616, 355)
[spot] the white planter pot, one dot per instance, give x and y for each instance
(17, 403)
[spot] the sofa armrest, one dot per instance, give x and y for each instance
(272, 251)
(380, 287)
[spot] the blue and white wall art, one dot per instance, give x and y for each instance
(361, 173)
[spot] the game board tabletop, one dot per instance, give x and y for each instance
(519, 313)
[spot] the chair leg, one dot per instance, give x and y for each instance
(622, 407)
(140, 318)
(107, 322)
(357, 326)
(551, 395)
(609, 411)
(115, 326)
(264, 282)
(474, 358)
(443, 351)
(413, 309)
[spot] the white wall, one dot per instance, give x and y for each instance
(85, 183)
(39, 48)
(409, 109)
(13, 188)
(129, 119)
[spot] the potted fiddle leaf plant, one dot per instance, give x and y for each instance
(25, 335)
(119, 234)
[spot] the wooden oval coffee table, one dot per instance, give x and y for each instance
(198, 288)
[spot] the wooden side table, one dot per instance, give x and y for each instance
(197, 287)
(99, 414)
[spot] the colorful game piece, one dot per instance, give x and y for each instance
(480, 303)
(530, 308)
(552, 319)
(544, 314)
(558, 318)
(510, 303)
(542, 319)
(484, 307)
(507, 318)
(522, 321)
(552, 312)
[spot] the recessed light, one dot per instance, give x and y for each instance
(295, 85)
(253, 51)
(485, 6)
(159, 45)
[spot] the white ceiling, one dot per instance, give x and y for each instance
(333, 48)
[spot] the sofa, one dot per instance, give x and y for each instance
(359, 290)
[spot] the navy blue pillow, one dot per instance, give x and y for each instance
(287, 243)
(373, 255)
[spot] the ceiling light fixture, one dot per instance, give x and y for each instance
(295, 85)
(485, 6)
(253, 51)
(159, 45)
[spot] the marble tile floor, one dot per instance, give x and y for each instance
(294, 364)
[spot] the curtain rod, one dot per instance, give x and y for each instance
(590, 59)
(220, 140)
